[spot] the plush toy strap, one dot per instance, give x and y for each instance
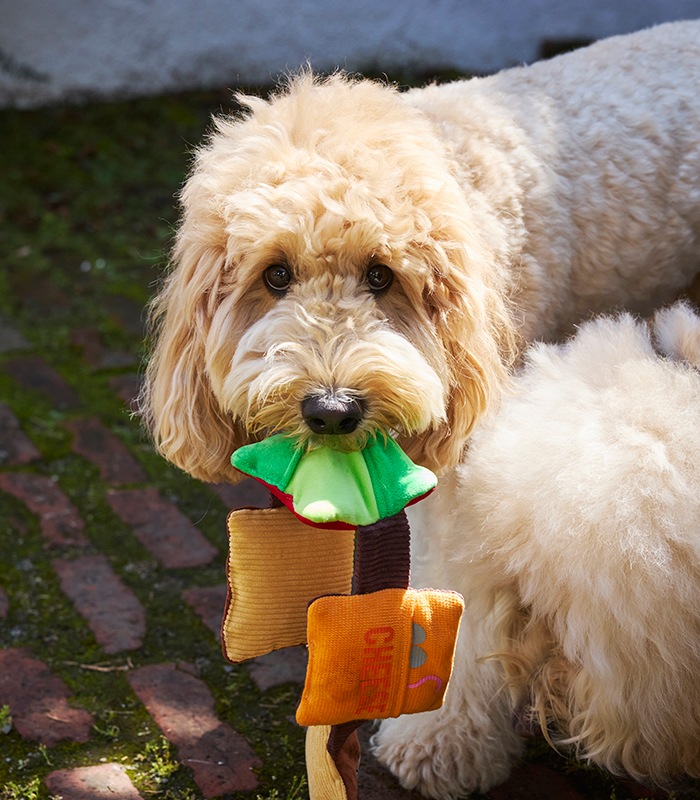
(382, 555)
(377, 648)
(382, 561)
(383, 651)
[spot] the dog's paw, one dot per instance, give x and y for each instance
(444, 759)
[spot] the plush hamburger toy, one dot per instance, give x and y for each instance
(329, 565)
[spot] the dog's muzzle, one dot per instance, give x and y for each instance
(331, 414)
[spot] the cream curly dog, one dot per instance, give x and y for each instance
(352, 258)
(572, 528)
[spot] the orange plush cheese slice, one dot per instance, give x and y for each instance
(379, 655)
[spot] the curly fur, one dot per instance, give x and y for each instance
(508, 208)
(573, 530)
(232, 361)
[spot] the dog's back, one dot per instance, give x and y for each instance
(598, 153)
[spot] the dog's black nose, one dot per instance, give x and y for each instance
(329, 414)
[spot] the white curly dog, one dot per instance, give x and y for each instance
(572, 528)
(352, 258)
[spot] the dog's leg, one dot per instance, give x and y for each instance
(467, 745)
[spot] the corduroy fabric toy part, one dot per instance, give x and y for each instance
(334, 573)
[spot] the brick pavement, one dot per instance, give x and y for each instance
(111, 598)
(101, 782)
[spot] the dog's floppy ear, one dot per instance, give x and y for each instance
(177, 404)
(467, 305)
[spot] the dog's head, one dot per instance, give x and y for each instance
(330, 280)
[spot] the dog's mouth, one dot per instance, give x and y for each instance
(342, 443)
(339, 395)
(342, 420)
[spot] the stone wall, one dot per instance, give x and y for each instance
(73, 49)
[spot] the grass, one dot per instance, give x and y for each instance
(5, 719)
(87, 209)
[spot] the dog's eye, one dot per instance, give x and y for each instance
(277, 278)
(379, 278)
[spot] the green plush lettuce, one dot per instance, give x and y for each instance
(329, 488)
